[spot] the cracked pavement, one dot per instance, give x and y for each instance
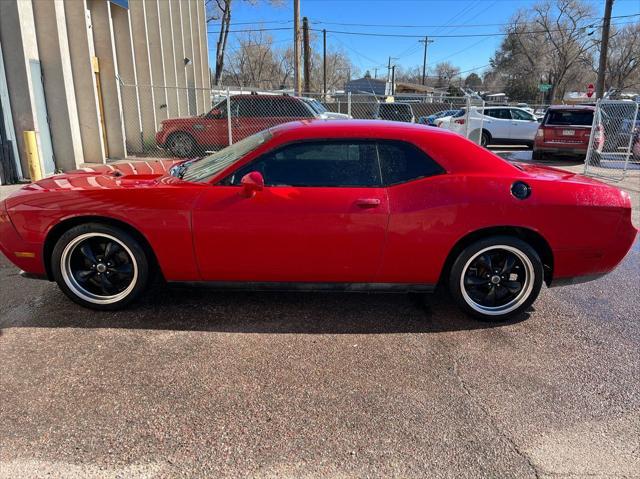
(192, 382)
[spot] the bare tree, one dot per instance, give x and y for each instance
(547, 43)
(623, 62)
(219, 10)
(446, 71)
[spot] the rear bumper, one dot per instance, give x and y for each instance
(561, 150)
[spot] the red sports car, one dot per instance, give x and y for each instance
(335, 205)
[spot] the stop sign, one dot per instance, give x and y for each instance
(590, 90)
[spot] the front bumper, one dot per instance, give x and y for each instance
(25, 255)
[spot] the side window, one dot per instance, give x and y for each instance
(317, 164)
(521, 115)
(499, 113)
(402, 162)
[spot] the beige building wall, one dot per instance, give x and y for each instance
(110, 74)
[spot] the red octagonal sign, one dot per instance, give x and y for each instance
(590, 90)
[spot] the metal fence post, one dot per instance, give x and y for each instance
(229, 117)
(468, 115)
(349, 103)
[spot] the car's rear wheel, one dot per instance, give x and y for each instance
(485, 138)
(181, 144)
(100, 266)
(495, 278)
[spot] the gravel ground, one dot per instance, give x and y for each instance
(197, 383)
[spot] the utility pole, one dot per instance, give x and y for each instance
(375, 73)
(324, 63)
(393, 80)
(297, 74)
(604, 46)
(306, 50)
(426, 42)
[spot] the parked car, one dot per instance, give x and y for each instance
(496, 125)
(430, 120)
(565, 130)
(322, 111)
(193, 136)
(335, 205)
(443, 122)
(525, 107)
(394, 111)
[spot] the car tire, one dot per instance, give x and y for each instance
(537, 155)
(181, 144)
(485, 138)
(496, 278)
(100, 266)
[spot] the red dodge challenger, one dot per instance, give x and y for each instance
(322, 205)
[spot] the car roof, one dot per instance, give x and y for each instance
(572, 107)
(254, 96)
(356, 128)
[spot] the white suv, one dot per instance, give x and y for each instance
(496, 125)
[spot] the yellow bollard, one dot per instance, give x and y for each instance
(33, 156)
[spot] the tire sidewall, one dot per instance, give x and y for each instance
(467, 253)
(140, 257)
(186, 135)
(484, 139)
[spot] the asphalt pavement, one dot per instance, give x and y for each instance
(195, 383)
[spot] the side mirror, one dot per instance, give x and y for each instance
(215, 113)
(251, 183)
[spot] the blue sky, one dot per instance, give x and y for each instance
(369, 52)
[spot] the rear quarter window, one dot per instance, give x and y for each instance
(401, 162)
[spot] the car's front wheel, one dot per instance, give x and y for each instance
(495, 278)
(100, 266)
(181, 144)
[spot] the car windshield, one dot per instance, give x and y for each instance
(204, 168)
(316, 105)
(570, 117)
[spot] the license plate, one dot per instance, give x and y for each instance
(568, 132)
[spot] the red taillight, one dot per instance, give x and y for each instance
(598, 137)
(540, 133)
(459, 121)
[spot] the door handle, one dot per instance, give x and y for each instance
(368, 202)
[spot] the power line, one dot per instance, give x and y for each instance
(470, 35)
(387, 25)
(401, 35)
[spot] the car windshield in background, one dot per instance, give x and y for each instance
(394, 111)
(570, 117)
(205, 168)
(315, 105)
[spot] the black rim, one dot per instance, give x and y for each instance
(101, 266)
(495, 278)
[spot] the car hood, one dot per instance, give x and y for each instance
(101, 177)
(330, 115)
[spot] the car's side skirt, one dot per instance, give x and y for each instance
(305, 286)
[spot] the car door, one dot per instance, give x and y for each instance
(498, 123)
(523, 125)
(250, 116)
(212, 128)
(420, 214)
(321, 217)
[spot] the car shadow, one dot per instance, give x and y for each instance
(200, 309)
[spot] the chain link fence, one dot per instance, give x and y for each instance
(614, 142)
(190, 122)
